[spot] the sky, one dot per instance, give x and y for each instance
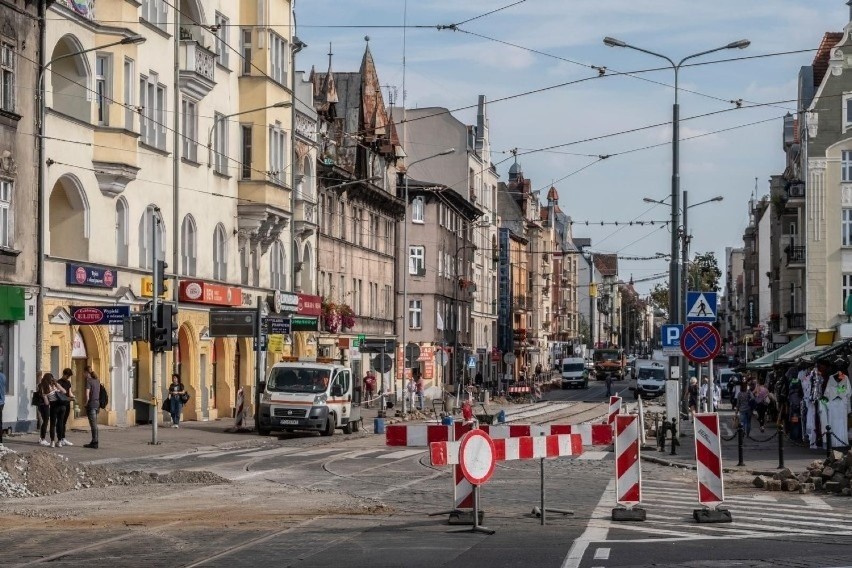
(556, 42)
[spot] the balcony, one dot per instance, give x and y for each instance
(197, 65)
(795, 321)
(305, 216)
(795, 255)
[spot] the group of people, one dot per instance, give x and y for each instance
(54, 398)
(706, 397)
(809, 400)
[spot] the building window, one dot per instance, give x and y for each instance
(245, 152)
(189, 119)
(245, 50)
(220, 253)
(5, 213)
(415, 314)
(222, 33)
(278, 58)
(417, 260)
(387, 302)
(417, 210)
(846, 227)
(342, 220)
(103, 81)
(389, 228)
(846, 165)
(152, 99)
(129, 81)
(356, 226)
(847, 288)
(121, 234)
(220, 143)
(188, 246)
(7, 76)
(342, 290)
(277, 278)
(155, 12)
(277, 153)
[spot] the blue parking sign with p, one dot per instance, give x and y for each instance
(671, 336)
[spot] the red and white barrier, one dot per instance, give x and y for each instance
(708, 457)
(510, 449)
(628, 472)
(413, 435)
(240, 414)
(614, 409)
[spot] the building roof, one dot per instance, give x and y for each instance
(607, 264)
(829, 40)
(582, 242)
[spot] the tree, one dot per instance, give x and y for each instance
(704, 276)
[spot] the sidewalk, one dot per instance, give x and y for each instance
(760, 450)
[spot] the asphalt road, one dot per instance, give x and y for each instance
(769, 529)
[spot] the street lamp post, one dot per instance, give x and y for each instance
(42, 174)
(675, 266)
(405, 255)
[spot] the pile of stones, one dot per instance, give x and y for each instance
(831, 475)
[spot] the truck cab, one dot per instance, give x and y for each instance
(609, 362)
(574, 373)
(308, 396)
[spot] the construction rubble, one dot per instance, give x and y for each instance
(831, 475)
(44, 472)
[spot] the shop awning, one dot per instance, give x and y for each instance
(770, 359)
(806, 349)
(12, 303)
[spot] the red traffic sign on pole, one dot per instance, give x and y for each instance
(700, 342)
(478, 457)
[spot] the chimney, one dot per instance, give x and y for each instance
(480, 122)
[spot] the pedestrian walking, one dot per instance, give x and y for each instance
(3, 385)
(745, 408)
(608, 385)
(92, 405)
(369, 388)
(761, 402)
(177, 393)
(52, 393)
(538, 371)
(692, 394)
(421, 385)
(65, 383)
(411, 387)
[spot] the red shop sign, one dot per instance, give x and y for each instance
(309, 305)
(212, 294)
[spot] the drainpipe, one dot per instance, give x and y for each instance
(41, 201)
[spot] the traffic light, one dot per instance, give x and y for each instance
(163, 328)
(161, 283)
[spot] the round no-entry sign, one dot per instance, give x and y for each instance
(700, 342)
(477, 457)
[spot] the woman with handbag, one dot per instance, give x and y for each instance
(54, 397)
(65, 383)
(177, 397)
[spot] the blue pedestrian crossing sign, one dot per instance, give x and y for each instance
(471, 362)
(701, 307)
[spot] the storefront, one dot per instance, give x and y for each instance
(18, 355)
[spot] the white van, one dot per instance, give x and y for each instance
(574, 373)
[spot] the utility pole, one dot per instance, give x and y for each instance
(156, 280)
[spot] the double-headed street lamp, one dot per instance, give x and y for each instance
(405, 255)
(675, 267)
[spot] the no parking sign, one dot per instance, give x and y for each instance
(700, 342)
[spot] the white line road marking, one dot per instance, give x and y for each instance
(767, 498)
(596, 531)
(400, 454)
(272, 452)
(815, 502)
(592, 455)
(602, 554)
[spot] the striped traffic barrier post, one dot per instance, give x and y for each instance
(708, 458)
(628, 470)
(614, 409)
(413, 435)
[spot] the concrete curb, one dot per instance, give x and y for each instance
(670, 463)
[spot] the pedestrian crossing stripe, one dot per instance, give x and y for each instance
(701, 307)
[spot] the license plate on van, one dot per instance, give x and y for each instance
(282, 421)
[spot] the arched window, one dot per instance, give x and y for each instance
(121, 234)
(308, 181)
(307, 272)
(188, 246)
(146, 226)
(277, 276)
(220, 253)
(70, 84)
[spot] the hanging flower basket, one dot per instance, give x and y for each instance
(337, 317)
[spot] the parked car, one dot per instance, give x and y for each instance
(650, 381)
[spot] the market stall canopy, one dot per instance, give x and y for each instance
(768, 360)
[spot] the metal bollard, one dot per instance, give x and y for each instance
(780, 446)
(828, 441)
(740, 438)
(674, 436)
